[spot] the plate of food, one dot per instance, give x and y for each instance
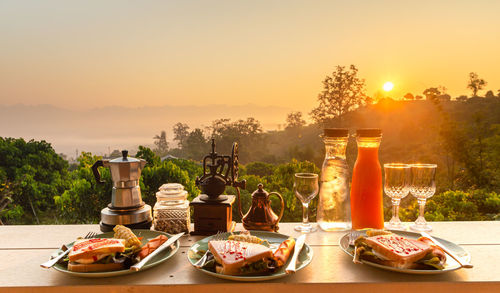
(402, 251)
(247, 256)
(113, 253)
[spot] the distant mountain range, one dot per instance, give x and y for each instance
(102, 130)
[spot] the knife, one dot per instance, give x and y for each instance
(50, 263)
(291, 268)
(455, 257)
(169, 242)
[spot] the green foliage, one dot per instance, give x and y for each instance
(32, 174)
(148, 155)
(83, 201)
(473, 205)
(193, 169)
(260, 169)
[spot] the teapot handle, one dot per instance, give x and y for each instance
(95, 170)
(282, 204)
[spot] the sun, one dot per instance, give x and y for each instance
(388, 86)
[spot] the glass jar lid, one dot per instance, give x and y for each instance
(171, 188)
(171, 192)
(336, 132)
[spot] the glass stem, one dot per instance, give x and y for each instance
(395, 209)
(421, 205)
(305, 214)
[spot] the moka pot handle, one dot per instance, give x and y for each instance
(95, 170)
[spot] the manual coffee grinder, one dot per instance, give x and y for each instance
(212, 211)
(126, 207)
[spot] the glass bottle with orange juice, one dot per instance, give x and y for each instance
(367, 209)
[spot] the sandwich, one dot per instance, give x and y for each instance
(392, 250)
(241, 258)
(99, 254)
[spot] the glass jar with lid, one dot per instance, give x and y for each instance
(171, 211)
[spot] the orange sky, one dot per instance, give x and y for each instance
(88, 53)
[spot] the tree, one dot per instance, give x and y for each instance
(342, 92)
(294, 120)
(432, 93)
(260, 169)
(181, 132)
(161, 144)
(444, 98)
(475, 83)
(489, 94)
(148, 155)
(461, 98)
(409, 96)
(418, 97)
(33, 173)
(115, 154)
(247, 133)
(84, 198)
(196, 145)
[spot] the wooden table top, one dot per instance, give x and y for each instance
(24, 248)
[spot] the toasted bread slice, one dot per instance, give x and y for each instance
(398, 251)
(233, 255)
(95, 267)
(88, 248)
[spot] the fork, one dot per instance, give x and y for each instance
(201, 262)
(353, 235)
(52, 262)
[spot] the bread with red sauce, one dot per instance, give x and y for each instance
(241, 258)
(397, 251)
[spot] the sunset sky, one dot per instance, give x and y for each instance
(150, 53)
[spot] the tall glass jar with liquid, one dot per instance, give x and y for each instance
(367, 208)
(333, 204)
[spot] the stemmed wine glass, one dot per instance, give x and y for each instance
(396, 186)
(306, 188)
(423, 186)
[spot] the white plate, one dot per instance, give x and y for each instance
(450, 265)
(305, 256)
(147, 235)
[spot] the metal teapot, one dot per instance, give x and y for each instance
(261, 216)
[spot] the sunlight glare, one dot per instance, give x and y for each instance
(388, 86)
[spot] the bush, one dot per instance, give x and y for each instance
(32, 174)
(472, 205)
(260, 169)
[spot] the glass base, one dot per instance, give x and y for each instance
(334, 226)
(395, 226)
(421, 227)
(306, 228)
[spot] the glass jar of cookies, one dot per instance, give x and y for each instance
(171, 211)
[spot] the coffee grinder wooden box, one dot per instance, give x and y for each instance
(212, 217)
